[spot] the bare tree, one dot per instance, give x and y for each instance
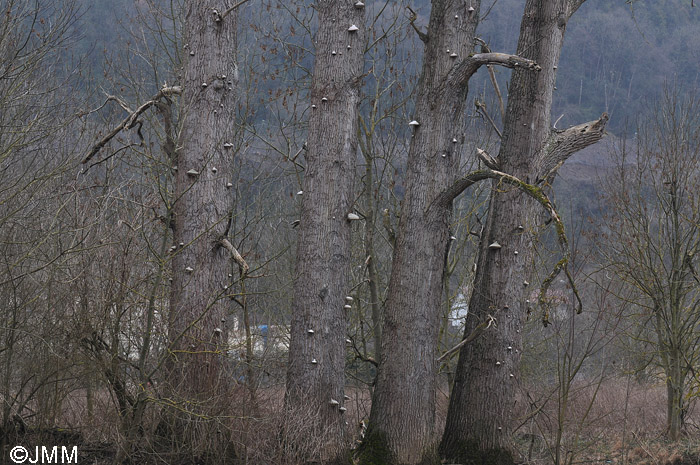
(199, 146)
(37, 119)
(316, 371)
(483, 397)
(651, 239)
(201, 214)
(402, 419)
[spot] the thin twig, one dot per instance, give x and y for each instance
(225, 13)
(481, 107)
(473, 335)
(412, 20)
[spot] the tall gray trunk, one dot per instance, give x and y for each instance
(202, 207)
(482, 406)
(403, 409)
(316, 370)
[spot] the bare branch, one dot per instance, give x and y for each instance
(237, 257)
(473, 335)
(466, 68)
(462, 184)
(574, 5)
(562, 144)
(131, 120)
(225, 13)
(492, 75)
(487, 159)
(389, 228)
(412, 20)
(541, 197)
(481, 108)
(110, 98)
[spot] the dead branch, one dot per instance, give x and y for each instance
(481, 108)
(466, 68)
(562, 144)
(225, 13)
(131, 120)
(473, 335)
(537, 193)
(412, 21)
(494, 82)
(487, 159)
(237, 257)
(388, 227)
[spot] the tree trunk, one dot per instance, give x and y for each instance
(373, 275)
(482, 405)
(402, 419)
(202, 207)
(316, 370)
(674, 390)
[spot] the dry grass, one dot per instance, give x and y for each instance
(624, 424)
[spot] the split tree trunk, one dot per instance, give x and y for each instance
(401, 429)
(482, 407)
(202, 207)
(316, 370)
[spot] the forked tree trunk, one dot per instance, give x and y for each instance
(401, 429)
(482, 407)
(202, 206)
(316, 370)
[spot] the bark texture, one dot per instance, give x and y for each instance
(401, 429)
(482, 406)
(202, 206)
(402, 419)
(316, 370)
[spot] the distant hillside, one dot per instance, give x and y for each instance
(616, 55)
